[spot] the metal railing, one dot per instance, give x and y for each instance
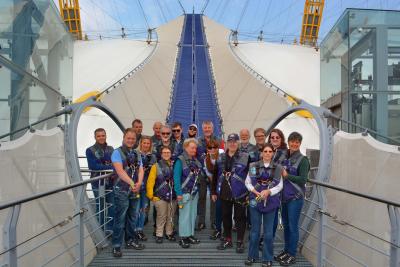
(321, 225)
(14, 252)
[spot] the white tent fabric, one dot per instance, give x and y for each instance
(362, 164)
(32, 164)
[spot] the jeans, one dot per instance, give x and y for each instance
(143, 204)
(126, 210)
(187, 215)
(267, 221)
(104, 213)
(291, 211)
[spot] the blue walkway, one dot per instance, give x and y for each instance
(194, 99)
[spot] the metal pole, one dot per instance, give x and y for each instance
(322, 222)
(80, 228)
(10, 236)
(394, 216)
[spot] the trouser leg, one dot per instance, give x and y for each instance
(162, 210)
(226, 208)
(171, 207)
(240, 220)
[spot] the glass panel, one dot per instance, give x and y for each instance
(394, 59)
(394, 116)
(33, 36)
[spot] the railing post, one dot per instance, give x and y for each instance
(394, 216)
(10, 236)
(80, 252)
(322, 223)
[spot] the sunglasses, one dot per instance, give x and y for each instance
(275, 137)
(165, 133)
(212, 147)
(192, 128)
(176, 130)
(268, 151)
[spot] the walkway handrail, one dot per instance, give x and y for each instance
(53, 191)
(355, 193)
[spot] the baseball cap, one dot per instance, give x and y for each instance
(233, 137)
(193, 125)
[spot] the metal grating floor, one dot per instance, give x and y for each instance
(171, 254)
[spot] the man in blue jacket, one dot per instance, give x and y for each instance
(99, 159)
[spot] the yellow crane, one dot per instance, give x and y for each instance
(311, 21)
(70, 13)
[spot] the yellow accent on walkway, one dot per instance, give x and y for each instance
(86, 96)
(301, 113)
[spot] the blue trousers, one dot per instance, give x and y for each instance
(126, 210)
(266, 220)
(105, 208)
(143, 204)
(291, 211)
(187, 215)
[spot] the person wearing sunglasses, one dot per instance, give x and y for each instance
(177, 140)
(295, 174)
(277, 139)
(208, 134)
(210, 167)
(165, 140)
(264, 181)
(192, 131)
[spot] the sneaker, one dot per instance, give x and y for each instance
(159, 239)
(141, 236)
(266, 264)
(250, 261)
(193, 240)
(239, 247)
(224, 245)
(289, 260)
(170, 238)
(215, 235)
(184, 243)
(282, 255)
(134, 245)
(117, 253)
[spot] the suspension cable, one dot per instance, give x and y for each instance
(242, 15)
(144, 14)
(183, 9)
(205, 6)
(161, 10)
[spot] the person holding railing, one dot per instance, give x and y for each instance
(264, 181)
(160, 190)
(233, 167)
(187, 170)
(295, 174)
(99, 159)
(128, 166)
(148, 159)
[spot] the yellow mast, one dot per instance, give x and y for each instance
(311, 21)
(70, 13)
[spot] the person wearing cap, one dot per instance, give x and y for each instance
(208, 134)
(192, 131)
(295, 174)
(233, 167)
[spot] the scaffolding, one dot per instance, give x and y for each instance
(311, 22)
(69, 10)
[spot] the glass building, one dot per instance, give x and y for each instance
(34, 43)
(360, 70)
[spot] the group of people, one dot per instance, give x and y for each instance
(250, 185)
